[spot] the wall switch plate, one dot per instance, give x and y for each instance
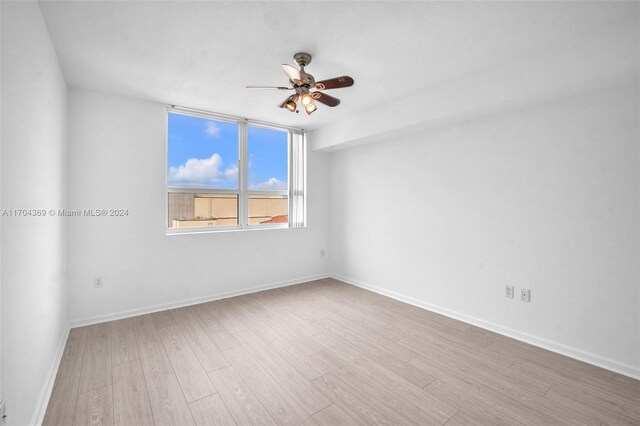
(98, 282)
(525, 295)
(321, 252)
(508, 291)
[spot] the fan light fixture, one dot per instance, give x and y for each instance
(290, 106)
(312, 107)
(306, 100)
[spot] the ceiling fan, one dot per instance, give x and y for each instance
(302, 83)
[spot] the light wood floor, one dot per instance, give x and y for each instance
(326, 353)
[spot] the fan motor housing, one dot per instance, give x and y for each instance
(302, 59)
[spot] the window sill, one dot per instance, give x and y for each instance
(208, 230)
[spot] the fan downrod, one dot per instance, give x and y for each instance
(302, 59)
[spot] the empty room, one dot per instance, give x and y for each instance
(319, 213)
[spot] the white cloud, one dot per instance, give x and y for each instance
(231, 172)
(211, 129)
(271, 184)
(200, 171)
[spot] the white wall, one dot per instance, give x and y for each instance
(545, 198)
(34, 149)
(1, 390)
(117, 160)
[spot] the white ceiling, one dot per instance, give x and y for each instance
(203, 54)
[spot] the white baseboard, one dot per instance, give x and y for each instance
(590, 358)
(188, 302)
(45, 393)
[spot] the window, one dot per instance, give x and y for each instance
(231, 173)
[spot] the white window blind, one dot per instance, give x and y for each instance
(298, 215)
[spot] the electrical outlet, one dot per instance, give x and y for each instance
(508, 291)
(321, 252)
(525, 295)
(98, 282)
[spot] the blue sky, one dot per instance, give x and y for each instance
(204, 153)
(267, 158)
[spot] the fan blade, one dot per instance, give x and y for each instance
(335, 83)
(270, 87)
(292, 72)
(325, 99)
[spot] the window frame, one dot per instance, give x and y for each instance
(242, 191)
